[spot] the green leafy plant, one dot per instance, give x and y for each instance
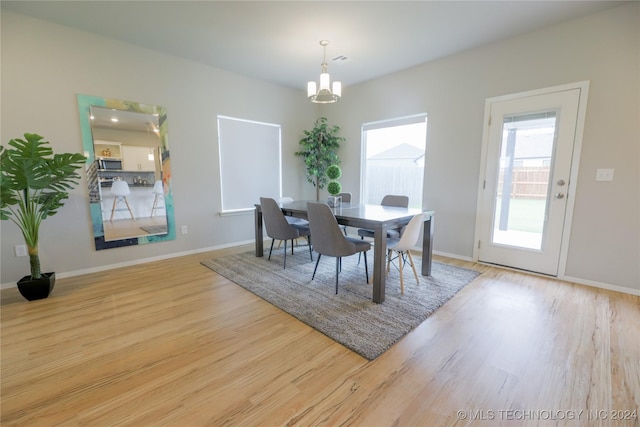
(334, 173)
(319, 151)
(34, 184)
(334, 188)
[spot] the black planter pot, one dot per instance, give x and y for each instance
(37, 289)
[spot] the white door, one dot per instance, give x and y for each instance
(523, 203)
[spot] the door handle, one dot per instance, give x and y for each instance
(559, 195)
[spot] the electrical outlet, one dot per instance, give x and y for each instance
(604, 175)
(20, 250)
(184, 229)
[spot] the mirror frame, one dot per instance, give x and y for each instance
(84, 104)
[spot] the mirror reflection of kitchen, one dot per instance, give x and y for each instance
(127, 152)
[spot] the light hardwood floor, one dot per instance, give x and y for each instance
(171, 343)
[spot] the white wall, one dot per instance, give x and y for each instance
(603, 48)
(45, 66)
(39, 95)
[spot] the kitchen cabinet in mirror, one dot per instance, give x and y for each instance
(128, 171)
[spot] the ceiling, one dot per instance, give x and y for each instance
(109, 118)
(279, 41)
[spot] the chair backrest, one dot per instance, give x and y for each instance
(346, 197)
(120, 188)
(158, 188)
(397, 201)
(326, 235)
(411, 234)
(275, 222)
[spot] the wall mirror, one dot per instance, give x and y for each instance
(128, 171)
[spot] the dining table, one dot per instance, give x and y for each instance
(373, 217)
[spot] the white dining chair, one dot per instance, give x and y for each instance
(402, 247)
(388, 200)
(158, 192)
(120, 191)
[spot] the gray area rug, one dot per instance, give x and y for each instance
(351, 317)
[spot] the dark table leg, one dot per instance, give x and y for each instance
(258, 228)
(427, 246)
(379, 273)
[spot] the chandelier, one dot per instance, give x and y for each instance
(324, 95)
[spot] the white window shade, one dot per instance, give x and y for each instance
(250, 165)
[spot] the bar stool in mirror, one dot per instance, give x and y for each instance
(120, 191)
(158, 192)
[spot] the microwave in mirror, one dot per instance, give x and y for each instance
(109, 164)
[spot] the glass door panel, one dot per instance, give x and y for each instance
(525, 164)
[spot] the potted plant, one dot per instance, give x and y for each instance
(319, 151)
(334, 187)
(34, 184)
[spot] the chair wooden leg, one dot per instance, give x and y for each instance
(113, 208)
(155, 205)
(413, 266)
(128, 207)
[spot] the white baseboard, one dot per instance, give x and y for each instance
(454, 256)
(575, 280)
(601, 285)
(64, 274)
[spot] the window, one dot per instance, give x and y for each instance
(250, 165)
(393, 159)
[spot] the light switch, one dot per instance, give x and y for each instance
(604, 175)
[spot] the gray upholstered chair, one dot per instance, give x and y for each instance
(279, 229)
(403, 245)
(388, 200)
(329, 240)
(292, 220)
(346, 198)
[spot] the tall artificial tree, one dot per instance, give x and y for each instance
(34, 184)
(319, 151)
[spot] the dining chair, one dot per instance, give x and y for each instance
(158, 192)
(388, 200)
(402, 247)
(279, 229)
(120, 191)
(292, 220)
(346, 198)
(328, 239)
